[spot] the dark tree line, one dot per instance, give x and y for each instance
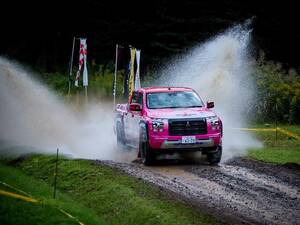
(160, 28)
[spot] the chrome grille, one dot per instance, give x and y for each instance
(187, 126)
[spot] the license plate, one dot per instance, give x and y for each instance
(188, 140)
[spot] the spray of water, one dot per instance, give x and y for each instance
(30, 115)
(220, 71)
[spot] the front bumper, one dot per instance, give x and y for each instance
(175, 142)
(200, 143)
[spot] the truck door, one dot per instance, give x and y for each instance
(136, 115)
(132, 119)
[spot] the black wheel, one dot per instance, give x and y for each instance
(120, 135)
(145, 150)
(215, 158)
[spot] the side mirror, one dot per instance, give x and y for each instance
(210, 105)
(135, 107)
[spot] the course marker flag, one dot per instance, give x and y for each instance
(82, 63)
(137, 82)
(131, 77)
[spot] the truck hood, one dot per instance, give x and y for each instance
(180, 113)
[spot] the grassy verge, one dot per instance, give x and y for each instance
(107, 195)
(15, 211)
(276, 155)
(282, 150)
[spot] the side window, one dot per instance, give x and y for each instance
(140, 99)
(137, 98)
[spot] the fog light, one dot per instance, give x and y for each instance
(215, 123)
(157, 126)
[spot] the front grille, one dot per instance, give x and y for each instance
(187, 126)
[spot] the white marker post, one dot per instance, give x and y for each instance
(71, 66)
(115, 78)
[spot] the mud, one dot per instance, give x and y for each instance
(241, 191)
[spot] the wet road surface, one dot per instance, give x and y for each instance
(240, 191)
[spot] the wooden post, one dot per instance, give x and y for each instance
(55, 174)
(86, 94)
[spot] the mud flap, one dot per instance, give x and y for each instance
(142, 138)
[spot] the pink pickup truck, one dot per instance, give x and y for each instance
(164, 120)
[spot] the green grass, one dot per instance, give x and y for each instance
(276, 155)
(18, 212)
(109, 194)
(282, 150)
(43, 192)
(100, 84)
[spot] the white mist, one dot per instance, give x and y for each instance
(31, 116)
(220, 71)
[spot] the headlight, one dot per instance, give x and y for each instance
(157, 126)
(215, 122)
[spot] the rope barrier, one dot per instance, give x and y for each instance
(14, 195)
(29, 199)
(281, 130)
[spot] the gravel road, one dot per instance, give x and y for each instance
(240, 191)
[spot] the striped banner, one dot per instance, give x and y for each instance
(82, 63)
(131, 76)
(137, 82)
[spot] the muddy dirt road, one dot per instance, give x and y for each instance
(237, 192)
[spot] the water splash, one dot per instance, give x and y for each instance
(220, 71)
(30, 115)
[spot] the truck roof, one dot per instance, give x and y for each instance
(165, 89)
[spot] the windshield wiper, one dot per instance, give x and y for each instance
(175, 107)
(168, 107)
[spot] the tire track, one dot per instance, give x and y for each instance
(234, 193)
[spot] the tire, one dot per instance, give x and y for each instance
(145, 150)
(120, 135)
(215, 158)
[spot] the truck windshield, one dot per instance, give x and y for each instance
(180, 99)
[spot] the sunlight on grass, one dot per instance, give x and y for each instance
(280, 150)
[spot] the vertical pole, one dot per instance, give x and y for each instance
(86, 94)
(55, 174)
(115, 78)
(276, 123)
(276, 132)
(85, 73)
(71, 66)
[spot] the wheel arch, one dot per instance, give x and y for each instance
(119, 118)
(144, 126)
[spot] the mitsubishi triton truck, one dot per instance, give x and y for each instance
(166, 120)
